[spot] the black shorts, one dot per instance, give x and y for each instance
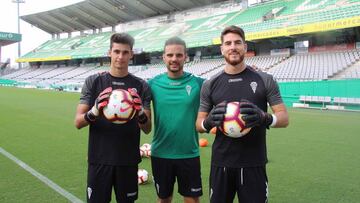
(186, 171)
(250, 184)
(101, 179)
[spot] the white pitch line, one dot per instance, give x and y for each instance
(44, 179)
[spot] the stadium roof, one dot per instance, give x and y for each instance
(7, 38)
(92, 14)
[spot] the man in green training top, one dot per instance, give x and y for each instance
(175, 146)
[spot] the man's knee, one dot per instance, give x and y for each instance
(191, 200)
(165, 200)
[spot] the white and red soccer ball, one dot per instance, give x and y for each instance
(145, 153)
(120, 108)
(143, 176)
(145, 150)
(234, 125)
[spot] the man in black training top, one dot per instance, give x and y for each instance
(238, 164)
(113, 153)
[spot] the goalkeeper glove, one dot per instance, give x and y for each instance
(215, 117)
(254, 116)
(137, 104)
(101, 101)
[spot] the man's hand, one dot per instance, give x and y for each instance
(253, 115)
(136, 99)
(101, 101)
(142, 118)
(215, 117)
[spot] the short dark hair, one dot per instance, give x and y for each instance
(175, 40)
(233, 29)
(122, 38)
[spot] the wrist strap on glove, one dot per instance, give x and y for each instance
(206, 126)
(268, 118)
(89, 117)
(274, 120)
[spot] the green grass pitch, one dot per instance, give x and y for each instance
(316, 159)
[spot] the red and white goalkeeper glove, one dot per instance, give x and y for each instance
(101, 101)
(137, 103)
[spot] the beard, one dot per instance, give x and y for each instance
(178, 68)
(234, 62)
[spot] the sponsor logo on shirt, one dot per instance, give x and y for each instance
(175, 83)
(236, 80)
(118, 83)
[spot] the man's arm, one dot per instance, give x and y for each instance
(206, 121)
(282, 117)
(200, 119)
(275, 101)
(146, 127)
(85, 115)
(80, 121)
(209, 116)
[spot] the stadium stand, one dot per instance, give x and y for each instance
(300, 67)
(204, 66)
(13, 75)
(195, 67)
(314, 66)
(265, 62)
(352, 72)
(262, 62)
(203, 31)
(330, 28)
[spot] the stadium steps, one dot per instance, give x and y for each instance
(18, 73)
(348, 73)
(213, 71)
(38, 76)
(85, 73)
(53, 76)
(35, 72)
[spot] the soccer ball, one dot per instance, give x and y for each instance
(203, 142)
(234, 125)
(143, 176)
(147, 153)
(141, 153)
(145, 150)
(120, 108)
(146, 146)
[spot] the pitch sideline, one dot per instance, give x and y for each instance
(41, 177)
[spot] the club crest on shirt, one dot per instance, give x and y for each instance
(188, 89)
(134, 89)
(253, 86)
